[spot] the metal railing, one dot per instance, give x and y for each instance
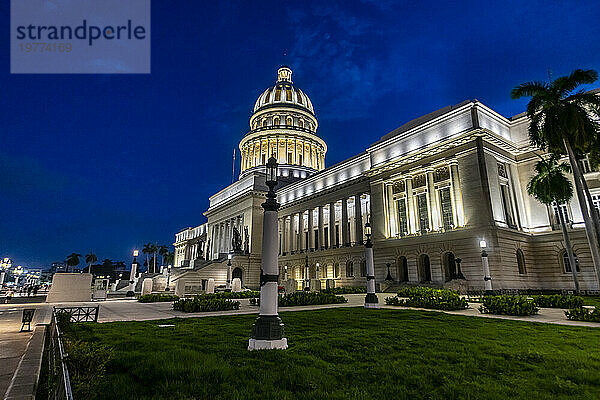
(59, 382)
(80, 314)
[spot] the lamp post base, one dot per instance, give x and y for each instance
(259, 344)
(371, 301)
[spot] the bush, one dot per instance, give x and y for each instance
(153, 298)
(558, 301)
(424, 297)
(508, 305)
(63, 320)
(198, 304)
(87, 367)
(346, 290)
(306, 299)
(583, 314)
(230, 295)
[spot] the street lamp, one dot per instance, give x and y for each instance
(228, 283)
(371, 298)
(268, 330)
(285, 273)
(134, 268)
(487, 279)
(306, 275)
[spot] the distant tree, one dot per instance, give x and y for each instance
(147, 249)
(72, 260)
(550, 186)
(90, 259)
(162, 250)
(168, 258)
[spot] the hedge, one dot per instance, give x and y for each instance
(558, 301)
(230, 295)
(197, 304)
(425, 297)
(584, 314)
(508, 305)
(306, 299)
(159, 297)
(346, 290)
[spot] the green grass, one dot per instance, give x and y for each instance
(350, 353)
(591, 301)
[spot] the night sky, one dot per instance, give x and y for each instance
(109, 162)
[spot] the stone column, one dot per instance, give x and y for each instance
(292, 236)
(410, 206)
(321, 227)
(358, 219)
(344, 223)
(457, 203)
(311, 234)
(434, 223)
(331, 225)
(284, 248)
(392, 211)
(300, 231)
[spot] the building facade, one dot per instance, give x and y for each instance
(432, 191)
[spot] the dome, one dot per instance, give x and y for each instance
(283, 93)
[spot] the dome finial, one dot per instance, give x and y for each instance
(284, 74)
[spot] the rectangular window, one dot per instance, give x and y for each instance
(316, 239)
(306, 240)
(507, 206)
(446, 204)
(584, 165)
(326, 238)
(337, 236)
(422, 212)
(596, 202)
(402, 217)
(564, 209)
(290, 157)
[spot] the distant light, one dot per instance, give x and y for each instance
(136, 253)
(229, 256)
(482, 244)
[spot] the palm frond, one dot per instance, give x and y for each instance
(528, 89)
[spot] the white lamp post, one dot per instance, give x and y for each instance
(168, 278)
(371, 300)
(228, 283)
(285, 273)
(306, 275)
(487, 279)
(133, 273)
(268, 330)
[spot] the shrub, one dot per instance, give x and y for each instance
(63, 320)
(230, 295)
(346, 290)
(558, 301)
(424, 297)
(583, 314)
(508, 305)
(87, 367)
(306, 299)
(159, 297)
(197, 304)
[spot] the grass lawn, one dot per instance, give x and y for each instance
(350, 353)
(591, 301)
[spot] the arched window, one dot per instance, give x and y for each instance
(403, 269)
(276, 121)
(336, 270)
(424, 268)
(521, 262)
(289, 121)
(567, 264)
(349, 269)
(301, 123)
(449, 266)
(264, 122)
(363, 268)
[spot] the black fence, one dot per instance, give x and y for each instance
(57, 378)
(80, 314)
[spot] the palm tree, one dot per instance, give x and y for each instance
(72, 260)
(163, 250)
(563, 121)
(147, 249)
(168, 257)
(90, 259)
(550, 186)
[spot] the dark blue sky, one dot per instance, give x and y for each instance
(108, 162)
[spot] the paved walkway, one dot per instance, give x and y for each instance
(131, 310)
(13, 342)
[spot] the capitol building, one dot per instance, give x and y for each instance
(434, 191)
